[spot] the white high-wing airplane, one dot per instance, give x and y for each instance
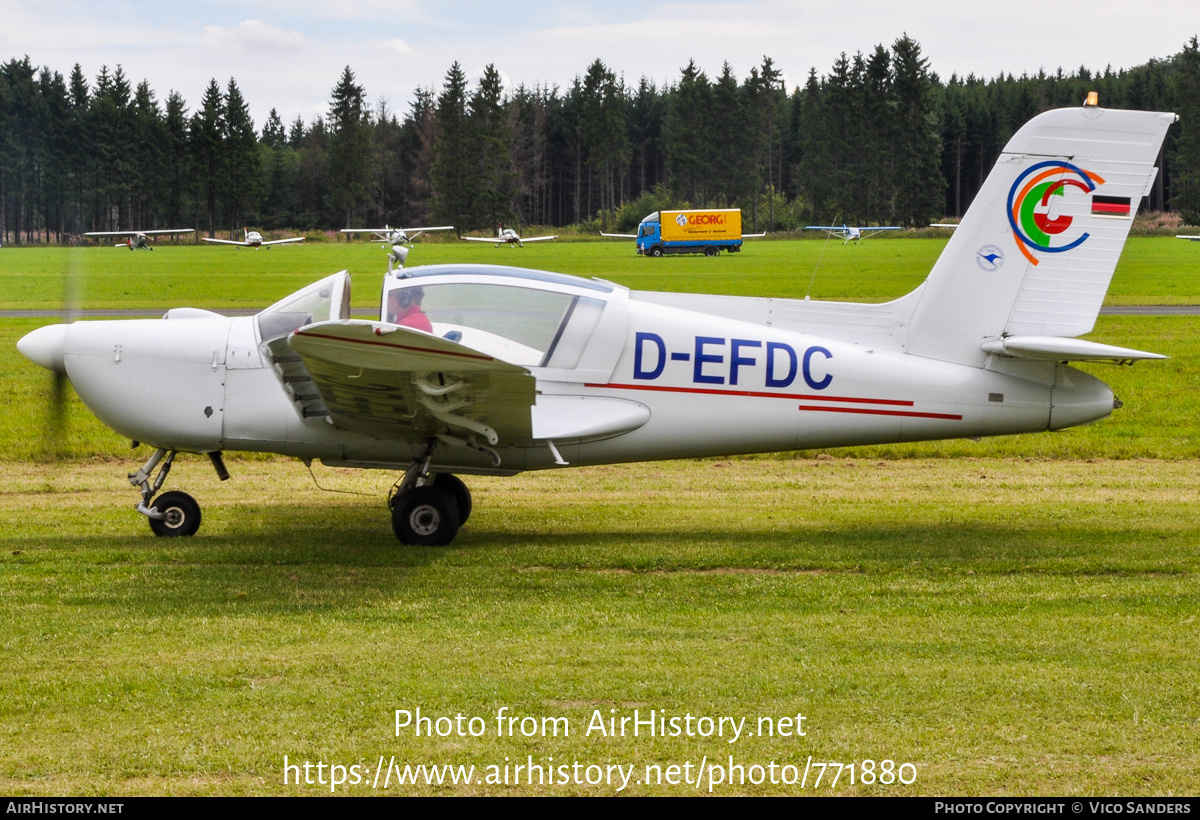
(139, 240)
(849, 234)
(507, 236)
(397, 238)
(489, 370)
(253, 239)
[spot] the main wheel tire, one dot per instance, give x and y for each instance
(711, 251)
(656, 251)
(426, 516)
(462, 496)
(182, 515)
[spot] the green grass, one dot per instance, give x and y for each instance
(1009, 627)
(1151, 271)
(1017, 619)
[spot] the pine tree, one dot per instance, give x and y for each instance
(491, 146)
(349, 147)
(1186, 167)
(917, 146)
(240, 149)
(602, 133)
(453, 169)
(208, 158)
(689, 158)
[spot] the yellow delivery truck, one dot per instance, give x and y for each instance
(708, 231)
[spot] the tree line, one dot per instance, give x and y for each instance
(878, 139)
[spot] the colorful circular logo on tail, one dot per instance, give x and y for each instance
(1029, 207)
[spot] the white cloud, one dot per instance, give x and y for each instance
(253, 35)
(399, 46)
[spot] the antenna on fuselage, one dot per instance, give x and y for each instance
(808, 293)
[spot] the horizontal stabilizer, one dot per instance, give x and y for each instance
(1059, 349)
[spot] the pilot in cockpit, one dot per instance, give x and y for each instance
(404, 308)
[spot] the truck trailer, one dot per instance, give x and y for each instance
(707, 231)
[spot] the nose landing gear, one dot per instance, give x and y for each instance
(173, 513)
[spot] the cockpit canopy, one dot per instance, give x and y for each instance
(525, 317)
(322, 301)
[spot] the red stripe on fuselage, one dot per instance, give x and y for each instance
(869, 412)
(751, 393)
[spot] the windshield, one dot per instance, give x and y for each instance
(519, 325)
(321, 301)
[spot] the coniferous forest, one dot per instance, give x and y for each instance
(877, 139)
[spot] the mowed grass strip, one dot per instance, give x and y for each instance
(1151, 271)
(1017, 620)
(1007, 626)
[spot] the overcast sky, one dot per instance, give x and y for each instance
(290, 53)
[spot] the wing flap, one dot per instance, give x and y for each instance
(394, 382)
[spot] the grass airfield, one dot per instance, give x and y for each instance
(1016, 616)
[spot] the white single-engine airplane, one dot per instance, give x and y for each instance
(253, 239)
(507, 236)
(849, 234)
(397, 238)
(490, 370)
(139, 240)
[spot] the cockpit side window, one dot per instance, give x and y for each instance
(524, 326)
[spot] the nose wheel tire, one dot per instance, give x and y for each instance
(426, 516)
(181, 515)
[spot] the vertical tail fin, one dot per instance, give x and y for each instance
(1037, 248)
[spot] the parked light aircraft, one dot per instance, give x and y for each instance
(849, 234)
(507, 236)
(492, 370)
(253, 239)
(397, 238)
(139, 240)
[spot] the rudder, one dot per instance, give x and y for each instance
(1036, 251)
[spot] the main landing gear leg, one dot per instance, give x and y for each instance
(428, 510)
(172, 513)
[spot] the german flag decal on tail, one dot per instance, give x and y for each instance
(1114, 206)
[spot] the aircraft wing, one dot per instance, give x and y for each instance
(225, 241)
(495, 240)
(754, 235)
(1193, 238)
(872, 231)
(162, 232)
(282, 241)
(538, 238)
(617, 235)
(394, 382)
